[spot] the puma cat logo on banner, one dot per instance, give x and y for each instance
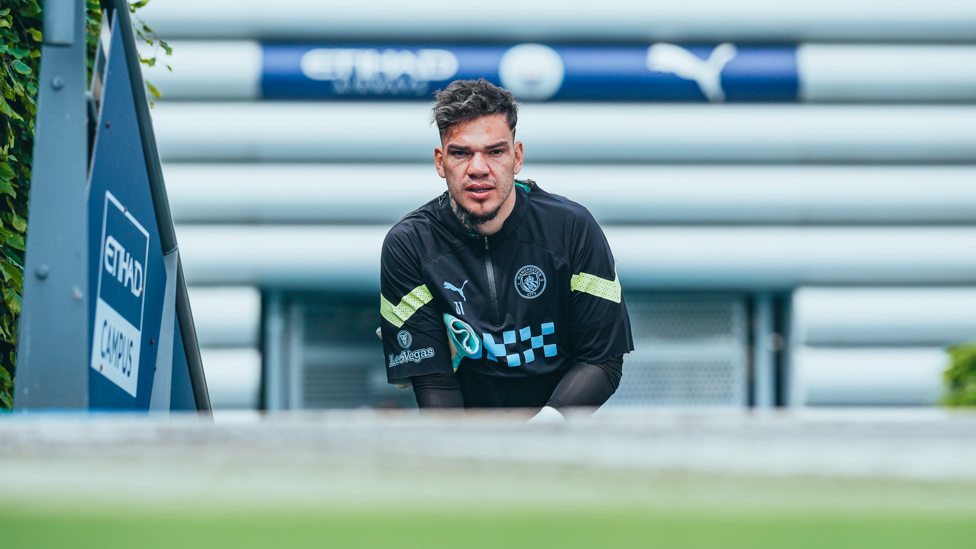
(707, 74)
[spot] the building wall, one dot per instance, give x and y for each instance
(853, 193)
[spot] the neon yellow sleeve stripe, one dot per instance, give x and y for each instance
(397, 315)
(594, 285)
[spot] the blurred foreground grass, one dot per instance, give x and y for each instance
(353, 482)
(468, 528)
(473, 506)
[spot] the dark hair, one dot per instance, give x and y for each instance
(465, 100)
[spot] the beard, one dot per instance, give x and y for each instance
(471, 220)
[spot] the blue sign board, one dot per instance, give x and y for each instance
(120, 300)
(126, 275)
(535, 72)
(100, 316)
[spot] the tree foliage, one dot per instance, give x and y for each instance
(21, 27)
(960, 378)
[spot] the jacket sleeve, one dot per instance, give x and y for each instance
(600, 324)
(414, 334)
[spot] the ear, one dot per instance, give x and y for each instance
(439, 162)
(518, 157)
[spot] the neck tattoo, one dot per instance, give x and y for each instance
(469, 220)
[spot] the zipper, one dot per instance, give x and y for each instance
(491, 285)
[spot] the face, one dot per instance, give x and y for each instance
(479, 158)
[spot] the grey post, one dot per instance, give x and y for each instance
(764, 348)
(274, 359)
(52, 349)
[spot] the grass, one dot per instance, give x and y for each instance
(227, 488)
(474, 506)
(466, 529)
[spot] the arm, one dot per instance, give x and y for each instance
(437, 391)
(589, 385)
(414, 338)
(584, 385)
(599, 322)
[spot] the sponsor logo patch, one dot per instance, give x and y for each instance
(530, 282)
(411, 356)
(405, 339)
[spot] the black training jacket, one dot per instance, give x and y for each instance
(542, 293)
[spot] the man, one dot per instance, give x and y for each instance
(529, 272)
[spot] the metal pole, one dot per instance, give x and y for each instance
(296, 356)
(184, 316)
(274, 334)
(52, 349)
(764, 349)
(164, 219)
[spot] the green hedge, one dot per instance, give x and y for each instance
(20, 53)
(960, 378)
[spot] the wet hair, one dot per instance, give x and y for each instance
(465, 100)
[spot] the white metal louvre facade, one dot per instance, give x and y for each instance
(857, 199)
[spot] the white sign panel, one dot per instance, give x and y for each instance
(121, 296)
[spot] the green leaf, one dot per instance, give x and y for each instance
(4, 11)
(19, 52)
(20, 67)
(6, 174)
(4, 23)
(33, 8)
(16, 242)
(19, 223)
(153, 91)
(35, 34)
(7, 188)
(169, 50)
(12, 299)
(139, 4)
(5, 109)
(13, 275)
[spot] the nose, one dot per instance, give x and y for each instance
(478, 165)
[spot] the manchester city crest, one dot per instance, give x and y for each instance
(405, 339)
(530, 281)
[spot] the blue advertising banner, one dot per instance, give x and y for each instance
(534, 72)
(127, 277)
